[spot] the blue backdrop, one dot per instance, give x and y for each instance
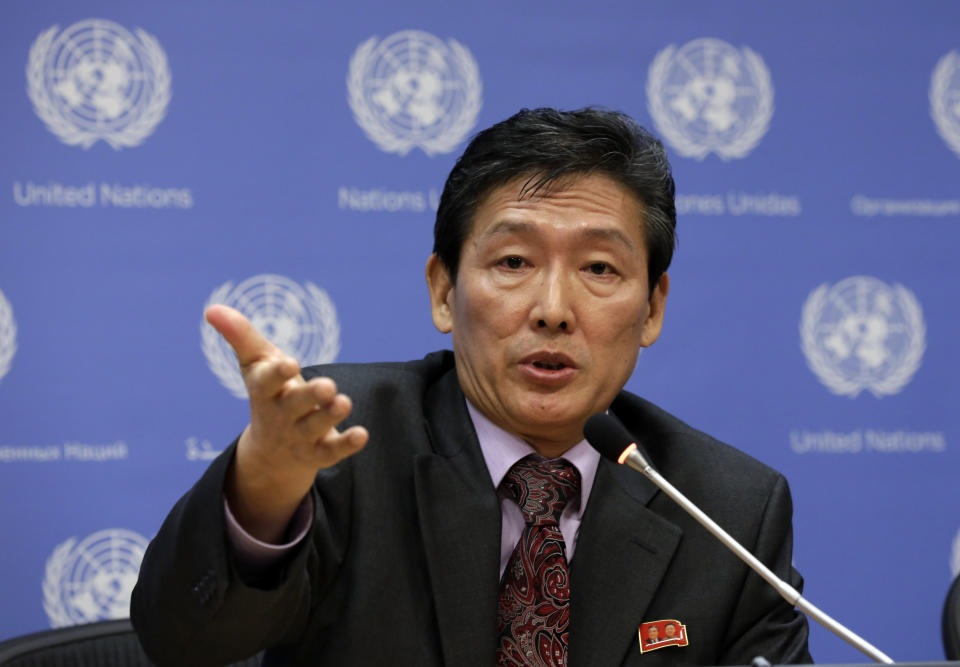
(286, 158)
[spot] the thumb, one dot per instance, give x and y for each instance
(248, 343)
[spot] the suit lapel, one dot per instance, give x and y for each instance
(460, 520)
(623, 551)
(623, 548)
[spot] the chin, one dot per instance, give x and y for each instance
(552, 422)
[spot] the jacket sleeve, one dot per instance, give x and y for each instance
(192, 607)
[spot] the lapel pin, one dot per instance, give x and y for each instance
(660, 634)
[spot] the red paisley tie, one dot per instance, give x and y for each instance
(534, 605)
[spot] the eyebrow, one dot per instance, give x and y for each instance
(505, 227)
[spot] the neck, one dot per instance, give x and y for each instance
(550, 449)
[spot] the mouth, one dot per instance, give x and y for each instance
(549, 361)
(549, 366)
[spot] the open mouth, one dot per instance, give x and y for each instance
(549, 366)
(549, 361)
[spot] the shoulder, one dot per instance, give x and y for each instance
(352, 378)
(394, 393)
(691, 459)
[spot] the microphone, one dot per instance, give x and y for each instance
(613, 441)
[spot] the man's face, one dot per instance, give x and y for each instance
(550, 307)
(670, 631)
(652, 632)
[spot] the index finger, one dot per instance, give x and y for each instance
(248, 343)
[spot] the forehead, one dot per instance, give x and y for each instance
(584, 200)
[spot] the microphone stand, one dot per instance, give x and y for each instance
(635, 460)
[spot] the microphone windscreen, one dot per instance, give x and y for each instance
(607, 435)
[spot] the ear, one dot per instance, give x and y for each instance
(441, 294)
(656, 305)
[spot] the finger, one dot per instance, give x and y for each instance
(248, 343)
(317, 423)
(355, 438)
(318, 393)
(339, 446)
(272, 377)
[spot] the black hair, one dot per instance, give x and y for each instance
(546, 145)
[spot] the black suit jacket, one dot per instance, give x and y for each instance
(401, 565)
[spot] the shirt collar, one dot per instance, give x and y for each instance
(502, 449)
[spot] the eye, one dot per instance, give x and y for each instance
(512, 262)
(600, 268)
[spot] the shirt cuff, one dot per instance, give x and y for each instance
(254, 554)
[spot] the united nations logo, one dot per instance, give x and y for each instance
(92, 580)
(95, 80)
(862, 334)
(8, 335)
(412, 89)
(708, 96)
(301, 321)
(945, 99)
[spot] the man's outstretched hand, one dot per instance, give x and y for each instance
(292, 432)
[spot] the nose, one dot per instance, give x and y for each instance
(552, 309)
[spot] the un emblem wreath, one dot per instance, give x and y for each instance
(92, 580)
(301, 321)
(8, 335)
(944, 91)
(440, 126)
(132, 113)
(829, 369)
(681, 136)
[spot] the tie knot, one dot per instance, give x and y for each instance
(541, 488)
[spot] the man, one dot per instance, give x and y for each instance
(372, 514)
(653, 635)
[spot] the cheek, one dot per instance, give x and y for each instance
(621, 323)
(476, 330)
(489, 314)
